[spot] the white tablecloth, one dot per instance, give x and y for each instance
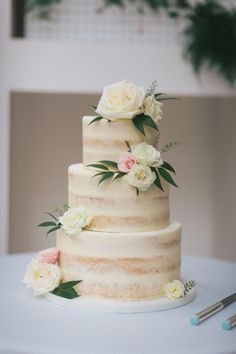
(34, 326)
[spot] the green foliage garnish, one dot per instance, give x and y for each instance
(158, 97)
(157, 181)
(119, 175)
(96, 119)
(169, 146)
(165, 174)
(103, 165)
(128, 145)
(168, 167)
(98, 165)
(59, 211)
(189, 286)
(48, 223)
(56, 225)
(109, 163)
(105, 176)
(152, 88)
(141, 120)
(67, 290)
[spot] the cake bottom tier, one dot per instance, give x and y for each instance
(124, 266)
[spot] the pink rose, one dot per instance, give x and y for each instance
(126, 162)
(50, 256)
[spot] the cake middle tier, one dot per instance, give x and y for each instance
(114, 205)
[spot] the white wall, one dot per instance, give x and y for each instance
(46, 138)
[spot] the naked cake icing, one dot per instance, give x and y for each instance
(115, 238)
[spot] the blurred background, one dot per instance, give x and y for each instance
(55, 59)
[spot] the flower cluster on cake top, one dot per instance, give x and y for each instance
(125, 100)
(143, 163)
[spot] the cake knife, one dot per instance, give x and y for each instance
(211, 310)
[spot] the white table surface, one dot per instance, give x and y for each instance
(30, 325)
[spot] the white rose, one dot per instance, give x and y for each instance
(174, 290)
(147, 155)
(42, 277)
(122, 100)
(74, 220)
(141, 177)
(152, 108)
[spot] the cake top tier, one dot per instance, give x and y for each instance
(105, 140)
(126, 113)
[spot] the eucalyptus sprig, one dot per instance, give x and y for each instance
(189, 286)
(152, 88)
(169, 146)
(54, 224)
(67, 290)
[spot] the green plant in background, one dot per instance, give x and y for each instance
(209, 33)
(42, 8)
(211, 38)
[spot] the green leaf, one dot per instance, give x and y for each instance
(50, 214)
(159, 94)
(97, 165)
(106, 176)
(128, 145)
(66, 293)
(70, 284)
(109, 163)
(165, 174)
(168, 98)
(47, 223)
(96, 119)
(99, 173)
(168, 167)
(138, 123)
(54, 229)
(119, 175)
(150, 122)
(157, 182)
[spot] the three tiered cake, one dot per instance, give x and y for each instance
(116, 241)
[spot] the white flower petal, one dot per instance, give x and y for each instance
(122, 100)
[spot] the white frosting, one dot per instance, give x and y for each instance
(105, 140)
(121, 265)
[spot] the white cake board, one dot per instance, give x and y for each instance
(114, 306)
